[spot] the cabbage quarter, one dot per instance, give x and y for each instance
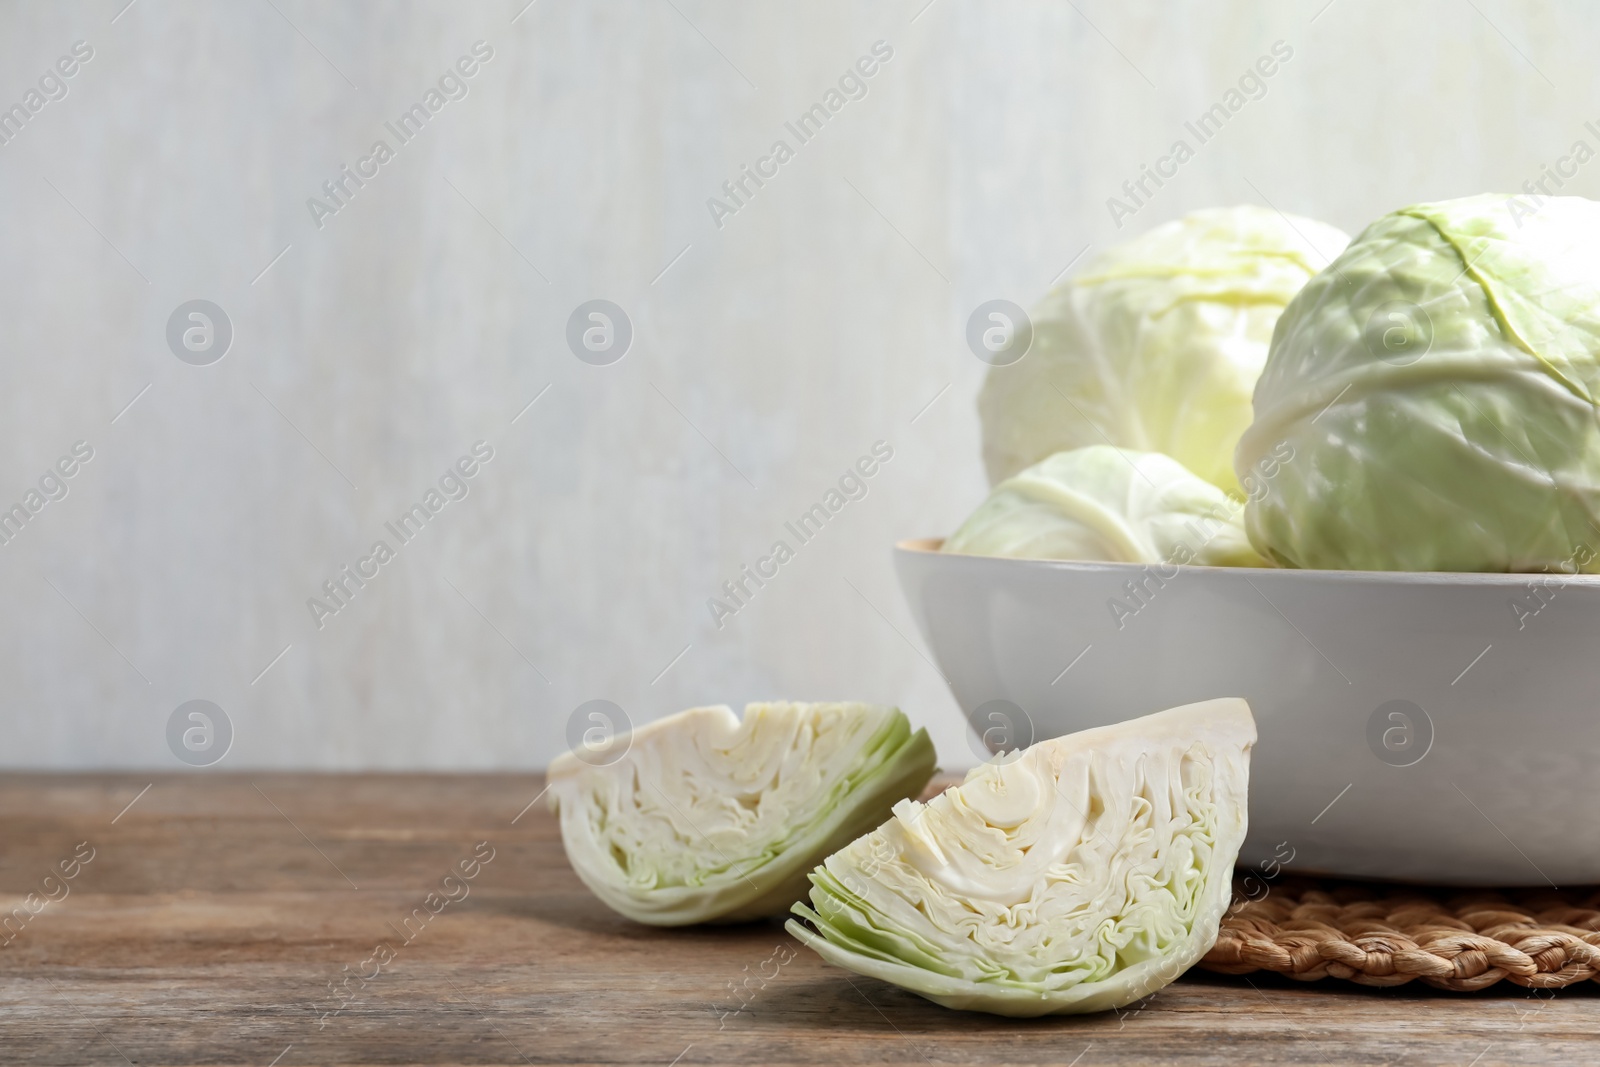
(1079, 875)
(710, 819)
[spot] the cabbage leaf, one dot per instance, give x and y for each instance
(1104, 503)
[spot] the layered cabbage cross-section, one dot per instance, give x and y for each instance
(708, 818)
(1079, 875)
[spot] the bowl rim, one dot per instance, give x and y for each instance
(930, 546)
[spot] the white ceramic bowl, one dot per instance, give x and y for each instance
(1420, 727)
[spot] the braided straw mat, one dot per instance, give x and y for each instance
(1386, 935)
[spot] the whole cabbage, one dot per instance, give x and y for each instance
(1156, 345)
(1104, 503)
(1437, 389)
(1082, 874)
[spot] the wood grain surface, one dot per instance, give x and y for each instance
(219, 913)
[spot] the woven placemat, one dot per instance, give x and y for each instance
(1388, 935)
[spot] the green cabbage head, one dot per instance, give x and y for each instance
(708, 818)
(1437, 389)
(1104, 503)
(1080, 875)
(1156, 345)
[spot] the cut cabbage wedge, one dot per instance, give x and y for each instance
(1079, 875)
(710, 819)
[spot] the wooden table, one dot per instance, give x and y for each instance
(219, 912)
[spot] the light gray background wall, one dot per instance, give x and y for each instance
(825, 315)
